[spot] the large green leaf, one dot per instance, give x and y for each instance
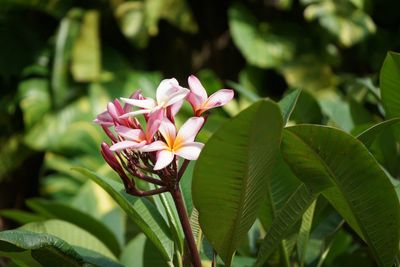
(288, 103)
(72, 215)
(140, 210)
(33, 248)
(338, 165)
(232, 173)
(70, 233)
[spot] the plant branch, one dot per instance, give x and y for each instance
(183, 217)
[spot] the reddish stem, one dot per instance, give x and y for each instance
(183, 217)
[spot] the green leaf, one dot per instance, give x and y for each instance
(333, 162)
(232, 173)
(253, 97)
(304, 233)
(349, 24)
(290, 214)
(48, 250)
(368, 136)
(72, 215)
(65, 39)
(258, 43)
(390, 83)
(86, 65)
(21, 216)
(140, 210)
(288, 103)
(70, 233)
(140, 252)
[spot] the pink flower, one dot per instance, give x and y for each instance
(199, 100)
(169, 93)
(137, 138)
(181, 144)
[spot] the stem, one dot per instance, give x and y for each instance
(180, 207)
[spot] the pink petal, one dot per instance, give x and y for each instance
(135, 113)
(195, 100)
(153, 123)
(164, 158)
(136, 95)
(155, 146)
(190, 151)
(197, 88)
(187, 133)
(165, 89)
(130, 134)
(104, 118)
(168, 131)
(146, 103)
(127, 144)
(219, 98)
(112, 110)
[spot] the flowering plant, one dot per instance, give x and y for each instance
(153, 148)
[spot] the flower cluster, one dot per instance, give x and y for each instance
(155, 145)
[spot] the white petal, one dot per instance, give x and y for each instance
(130, 134)
(188, 131)
(168, 131)
(190, 151)
(155, 146)
(219, 98)
(176, 107)
(197, 88)
(127, 144)
(179, 93)
(164, 158)
(164, 89)
(135, 113)
(146, 103)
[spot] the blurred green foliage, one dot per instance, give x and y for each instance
(62, 61)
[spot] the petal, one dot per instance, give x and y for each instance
(164, 89)
(176, 107)
(155, 146)
(130, 134)
(219, 98)
(188, 131)
(197, 88)
(153, 123)
(112, 110)
(136, 95)
(164, 158)
(195, 100)
(177, 95)
(127, 144)
(134, 113)
(104, 118)
(146, 103)
(168, 131)
(190, 151)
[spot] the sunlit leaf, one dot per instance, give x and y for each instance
(228, 190)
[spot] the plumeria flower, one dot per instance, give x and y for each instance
(201, 102)
(137, 138)
(181, 144)
(168, 93)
